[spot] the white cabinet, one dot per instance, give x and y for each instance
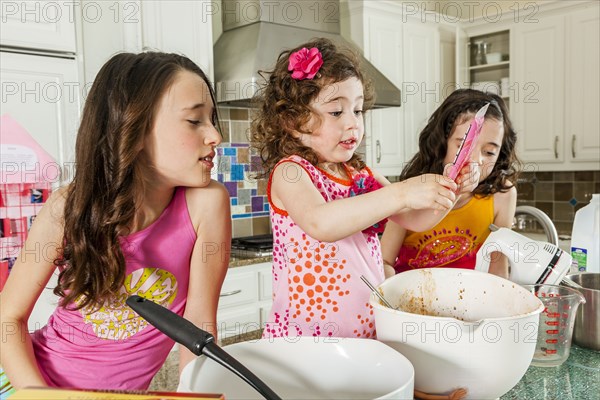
(43, 95)
(385, 140)
(538, 111)
(554, 88)
(421, 81)
(113, 27)
(39, 25)
(558, 58)
(245, 300)
(406, 51)
(583, 87)
(183, 27)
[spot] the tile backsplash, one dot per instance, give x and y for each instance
(558, 194)
(237, 166)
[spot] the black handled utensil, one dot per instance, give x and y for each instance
(196, 340)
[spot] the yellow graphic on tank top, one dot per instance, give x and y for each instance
(115, 320)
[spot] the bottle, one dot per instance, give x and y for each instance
(585, 239)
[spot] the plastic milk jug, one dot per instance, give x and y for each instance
(585, 240)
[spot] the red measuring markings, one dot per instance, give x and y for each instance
(552, 323)
(553, 315)
(551, 341)
(552, 331)
(550, 351)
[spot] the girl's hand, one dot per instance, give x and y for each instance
(431, 191)
(467, 179)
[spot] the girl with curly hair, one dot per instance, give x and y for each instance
(326, 205)
(455, 240)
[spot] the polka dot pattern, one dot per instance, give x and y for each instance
(317, 290)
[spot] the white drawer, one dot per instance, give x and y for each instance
(237, 321)
(239, 288)
(265, 284)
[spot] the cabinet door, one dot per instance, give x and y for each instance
(237, 321)
(240, 287)
(40, 25)
(538, 114)
(421, 88)
(583, 86)
(384, 50)
(180, 27)
(108, 27)
(43, 95)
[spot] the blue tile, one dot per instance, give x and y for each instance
(573, 202)
(236, 216)
(260, 214)
(266, 207)
(237, 172)
(234, 202)
(253, 192)
(228, 151)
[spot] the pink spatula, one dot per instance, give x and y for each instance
(466, 147)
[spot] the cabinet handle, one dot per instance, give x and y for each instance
(556, 147)
(378, 151)
(230, 293)
(573, 139)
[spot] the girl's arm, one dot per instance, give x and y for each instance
(293, 191)
(419, 220)
(30, 274)
(504, 213)
(391, 242)
(211, 216)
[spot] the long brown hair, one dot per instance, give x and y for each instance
(285, 103)
(108, 185)
(457, 108)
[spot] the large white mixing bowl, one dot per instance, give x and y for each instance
(480, 332)
(307, 368)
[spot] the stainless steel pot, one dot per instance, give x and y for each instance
(587, 322)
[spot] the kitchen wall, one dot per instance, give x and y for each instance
(237, 167)
(558, 194)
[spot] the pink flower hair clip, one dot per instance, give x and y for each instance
(305, 63)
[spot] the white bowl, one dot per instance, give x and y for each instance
(307, 368)
(480, 335)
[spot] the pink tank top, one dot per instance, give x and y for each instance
(317, 290)
(113, 347)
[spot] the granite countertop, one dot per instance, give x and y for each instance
(235, 262)
(577, 378)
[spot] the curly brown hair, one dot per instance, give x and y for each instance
(106, 191)
(461, 105)
(285, 103)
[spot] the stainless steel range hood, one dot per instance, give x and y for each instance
(256, 31)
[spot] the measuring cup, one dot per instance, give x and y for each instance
(556, 323)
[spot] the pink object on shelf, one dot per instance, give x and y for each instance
(23, 159)
(466, 147)
(3, 273)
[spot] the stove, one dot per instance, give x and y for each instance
(252, 246)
